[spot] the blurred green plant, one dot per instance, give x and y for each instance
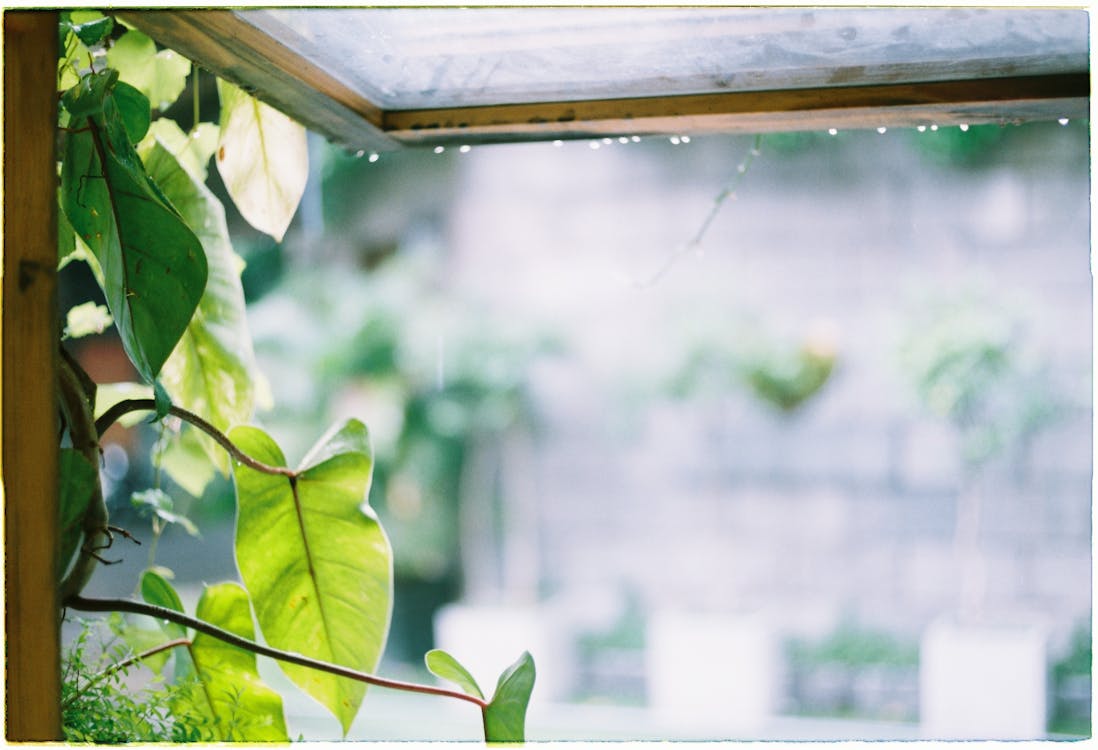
(854, 645)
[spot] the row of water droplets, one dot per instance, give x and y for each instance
(674, 140)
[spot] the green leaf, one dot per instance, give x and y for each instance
(212, 369)
(192, 150)
(89, 96)
(92, 32)
(86, 319)
(316, 560)
(134, 108)
(162, 505)
(505, 716)
(78, 477)
(263, 159)
(442, 664)
(152, 263)
(161, 76)
(237, 704)
(155, 589)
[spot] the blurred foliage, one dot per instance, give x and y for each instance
(952, 146)
(780, 373)
(1071, 709)
(853, 645)
(969, 360)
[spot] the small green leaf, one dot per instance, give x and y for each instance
(263, 159)
(161, 76)
(231, 700)
(134, 108)
(316, 559)
(156, 590)
(87, 319)
(442, 664)
(505, 716)
(88, 97)
(162, 505)
(93, 32)
(78, 477)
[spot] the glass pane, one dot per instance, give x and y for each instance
(411, 58)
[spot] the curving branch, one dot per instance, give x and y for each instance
(129, 405)
(201, 626)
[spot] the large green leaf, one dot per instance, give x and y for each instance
(230, 699)
(161, 76)
(212, 369)
(505, 716)
(316, 560)
(263, 159)
(78, 477)
(152, 263)
(442, 664)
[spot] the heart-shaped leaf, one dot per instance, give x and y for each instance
(316, 560)
(505, 716)
(263, 159)
(161, 76)
(442, 664)
(235, 703)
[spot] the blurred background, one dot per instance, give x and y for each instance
(769, 476)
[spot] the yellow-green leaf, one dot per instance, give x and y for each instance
(237, 705)
(263, 159)
(161, 76)
(442, 664)
(316, 560)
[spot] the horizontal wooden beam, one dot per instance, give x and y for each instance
(222, 42)
(1005, 100)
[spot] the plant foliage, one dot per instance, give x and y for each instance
(315, 564)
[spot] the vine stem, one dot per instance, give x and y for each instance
(201, 626)
(126, 663)
(129, 405)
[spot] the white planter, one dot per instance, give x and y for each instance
(983, 682)
(718, 669)
(487, 639)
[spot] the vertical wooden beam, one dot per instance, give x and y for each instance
(28, 339)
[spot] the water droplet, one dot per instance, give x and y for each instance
(558, 144)
(933, 127)
(1063, 121)
(635, 139)
(685, 139)
(832, 131)
(374, 157)
(882, 130)
(439, 149)
(607, 141)
(674, 140)
(359, 154)
(623, 139)
(742, 168)
(594, 144)
(921, 128)
(465, 149)
(963, 127)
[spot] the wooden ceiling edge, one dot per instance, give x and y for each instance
(226, 44)
(942, 102)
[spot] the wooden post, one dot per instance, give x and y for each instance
(28, 339)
